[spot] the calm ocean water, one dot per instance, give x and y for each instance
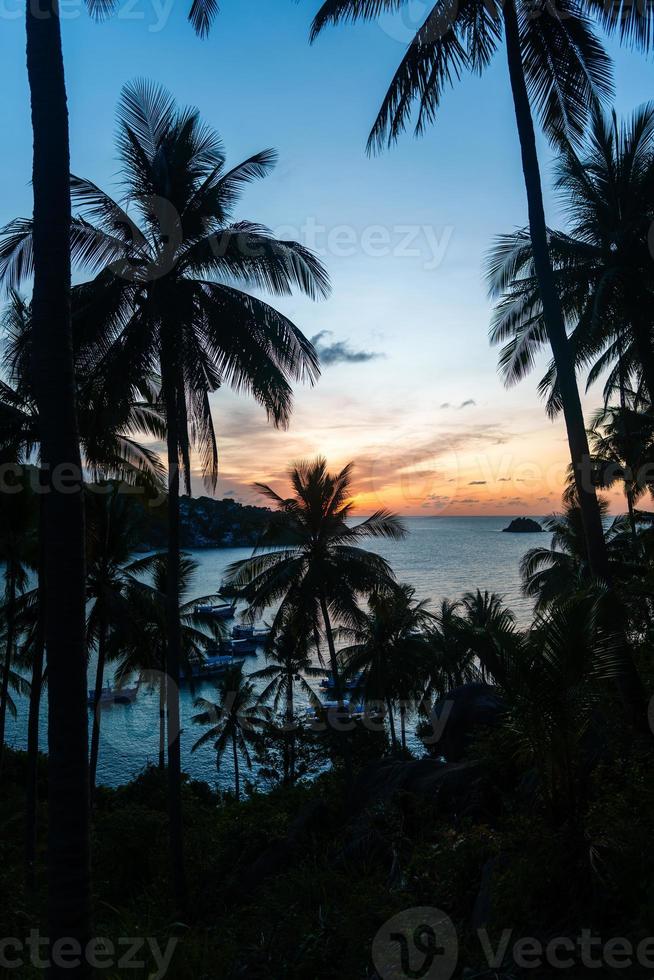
(441, 558)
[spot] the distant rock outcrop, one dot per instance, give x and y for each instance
(523, 525)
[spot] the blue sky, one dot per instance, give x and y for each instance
(403, 236)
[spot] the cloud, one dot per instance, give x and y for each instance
(504, 479)
(340, 352)
(468, 403)
(478, 483)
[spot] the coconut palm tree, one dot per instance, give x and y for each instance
(551, 575)
(114, 523)
(69, 903)
(602, 263)
(139, 645)
(288, 667)
(310, 558)
(231, 722)
(622, 441)
(557, 67)
(163, 301)
(451, 660)
(388, 648)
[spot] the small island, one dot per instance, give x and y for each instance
(523, 525)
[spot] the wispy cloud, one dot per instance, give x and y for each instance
(340, 351)
(468, 403)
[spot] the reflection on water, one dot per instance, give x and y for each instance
(441, 557)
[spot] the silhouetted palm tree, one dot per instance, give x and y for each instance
(602, 263)
(288, 665)
(164, 297)
(231, 722)
(389, 648)
(310, 558)
(557, 66)
(140, 645)
(63, 515)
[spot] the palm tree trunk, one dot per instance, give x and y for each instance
(162, 722)
(31, 818)
(347, 751)
(55, 391)
(173, 644)
(391, 723)
(290, 723)
(9, 652)
(631, 688)
(403, 726)
(333, 662)
(553, 315)
(237, 776)
(97, 693)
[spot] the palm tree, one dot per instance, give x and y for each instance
(231, 722)
(63, 516)
(388, 647)
(288, 665)
(18, 512)
(551, 575)
(602, 263)
(557, 65)
(140, 644)
(552, 686)
(622, 441)
(310, 558)
(451, 661)
(114, 522)
(163, 301)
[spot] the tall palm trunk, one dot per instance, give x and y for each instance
(237, 775)
(631, 688)
(403, 725)
(9, 653)
(97, 694)
(173, 641)
(552, 312)
(333, 662)
(338, 687)
(162, 722)
(31, 819)
(54, 386)
(389, 706)
(290, 724)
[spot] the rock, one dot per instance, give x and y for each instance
(459, 717)
(523, 525)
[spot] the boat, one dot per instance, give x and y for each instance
(126, 695)
(213, 666)
(123, 695)
(106, 698)
(243, 646)
(222, 611)
(353, 684)
(256, 636)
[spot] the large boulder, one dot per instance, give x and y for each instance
(460, 717)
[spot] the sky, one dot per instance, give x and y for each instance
(409, 388)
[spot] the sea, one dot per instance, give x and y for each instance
(441, 557)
